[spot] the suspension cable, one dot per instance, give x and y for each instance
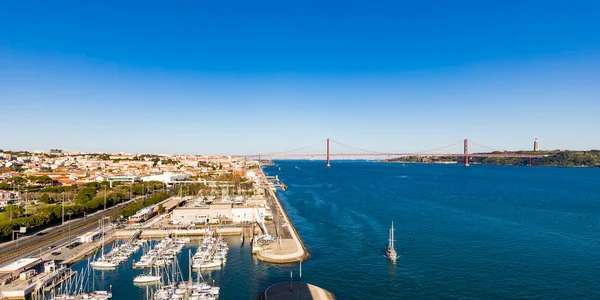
(440, 148)
(484, 146)
(359, 149)
(294, 150)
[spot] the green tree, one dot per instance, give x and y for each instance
(45, 198)
(6, 228)
(85, 194)
(18, 180)
(45, 180)
(14, 211)
(95, 185)
(161, 209)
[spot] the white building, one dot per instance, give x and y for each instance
(251, 175)
(166, 177)
(213, 213)
(243, 214)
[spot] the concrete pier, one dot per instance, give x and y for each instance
(284, 250)
(161, 233)
(72, 256)
(297, 290)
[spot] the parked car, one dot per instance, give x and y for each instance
(56, 253)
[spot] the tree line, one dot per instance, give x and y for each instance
(88, 199)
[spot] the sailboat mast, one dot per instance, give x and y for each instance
(190, 265)
(392, 236)
(102, 228)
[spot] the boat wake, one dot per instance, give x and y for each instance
(399, 177)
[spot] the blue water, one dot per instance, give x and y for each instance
(483, 232)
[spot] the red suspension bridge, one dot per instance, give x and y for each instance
(369, 153)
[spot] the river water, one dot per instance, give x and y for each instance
(483, 232)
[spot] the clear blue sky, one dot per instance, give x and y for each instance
(265, 76)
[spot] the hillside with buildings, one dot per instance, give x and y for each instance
(38, 189)
(562, 158)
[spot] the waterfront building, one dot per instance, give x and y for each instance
(217, 213)
(209, 214)
(20, 265)
(536, 145)
(245, 214)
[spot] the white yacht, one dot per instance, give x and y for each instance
(146, 279)
(98, 295)
(104, 264)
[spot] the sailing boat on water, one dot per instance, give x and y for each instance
(391, 252)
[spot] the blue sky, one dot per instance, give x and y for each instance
(239, 77)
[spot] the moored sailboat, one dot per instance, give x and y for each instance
(103, 262)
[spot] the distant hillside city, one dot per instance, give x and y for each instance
(40, 188)
(563, 158)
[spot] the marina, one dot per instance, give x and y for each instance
(162, 254)
(151, 247)
(212, 253)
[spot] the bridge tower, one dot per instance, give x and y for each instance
(466, 152)
(328, 154)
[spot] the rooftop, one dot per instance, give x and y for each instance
(20, 264)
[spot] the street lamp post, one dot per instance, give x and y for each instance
(63, 209)
(300, 279)
(70, 228)
(104, 197)
(17, 232)
(18, 239)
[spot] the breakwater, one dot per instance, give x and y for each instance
(289, 248)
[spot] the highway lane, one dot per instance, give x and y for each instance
(57, 235)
